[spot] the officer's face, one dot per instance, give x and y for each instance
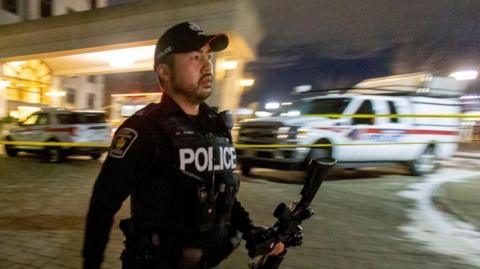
(192, 74)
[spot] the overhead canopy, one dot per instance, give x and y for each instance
(90, 42)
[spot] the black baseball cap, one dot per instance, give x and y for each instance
(186, 37)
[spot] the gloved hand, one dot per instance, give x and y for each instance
(259, 241)
(296, 239)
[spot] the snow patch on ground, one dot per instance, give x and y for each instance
(439, 231)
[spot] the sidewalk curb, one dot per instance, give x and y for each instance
(439, 201)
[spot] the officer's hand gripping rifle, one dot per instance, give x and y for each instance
(287, 228)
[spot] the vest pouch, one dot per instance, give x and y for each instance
(189, 197)
(227, 186)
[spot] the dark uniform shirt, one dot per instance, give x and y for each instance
(178, 170)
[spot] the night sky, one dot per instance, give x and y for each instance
(338, 43)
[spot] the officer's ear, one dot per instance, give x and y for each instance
(163, 72)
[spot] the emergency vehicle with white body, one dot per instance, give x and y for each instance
(417, 142)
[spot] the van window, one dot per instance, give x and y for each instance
(393, 111)
(90, 117)
(66, 118)
(317, 106)
(82, 118)
(365, 108)
(31, 120)
(42, 119)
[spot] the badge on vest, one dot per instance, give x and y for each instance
(122, 141)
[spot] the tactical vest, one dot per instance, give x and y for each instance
(192, 197)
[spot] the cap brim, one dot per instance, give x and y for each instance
(217, 42)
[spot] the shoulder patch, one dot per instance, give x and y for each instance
(122, 141)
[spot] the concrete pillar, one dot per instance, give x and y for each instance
(33, 10)
(99, 91)
(56, 86)
(3, 102)
(3, 96)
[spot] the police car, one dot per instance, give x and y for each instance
(417, 142)
(61, 125)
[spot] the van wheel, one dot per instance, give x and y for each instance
(245, 170)
(11, 151)
(425, 163)
(55, 155)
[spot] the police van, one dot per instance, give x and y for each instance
(379, 121)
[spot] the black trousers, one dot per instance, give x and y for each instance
(133, 261)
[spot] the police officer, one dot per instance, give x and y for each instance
(176, 160)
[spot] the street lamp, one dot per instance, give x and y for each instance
(272, 105)
(229, 65)
(464, 75)
(4, 84)
(247, 82)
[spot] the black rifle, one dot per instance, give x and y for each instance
(287, 228)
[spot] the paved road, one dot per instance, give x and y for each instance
(358, 218)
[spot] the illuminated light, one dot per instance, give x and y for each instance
(302, 88)
(247, 82)
(121, 62)
(464, 75)
(5, 83)
(229, 65)
(302, 132)
(14, 114)
(423, 90)
(272, 105)
(56, 93)
(466, 97)
(121, 57)
(17, 64)
(262, 114)
(293, 113)
(283, 130)
(244, 112)
(286, 104)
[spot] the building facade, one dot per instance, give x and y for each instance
(27, 86)
(121, 38)
(13, 11)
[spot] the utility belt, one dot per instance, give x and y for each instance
(170, 249)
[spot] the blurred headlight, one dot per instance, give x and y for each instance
(302, 132)
(283, 132)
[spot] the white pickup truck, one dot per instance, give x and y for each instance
(414, 141)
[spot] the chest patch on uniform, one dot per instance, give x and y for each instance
(122, 141)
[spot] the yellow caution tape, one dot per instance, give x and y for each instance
(247, 146)
(239, 146)
(369, 116)
(55, 144)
